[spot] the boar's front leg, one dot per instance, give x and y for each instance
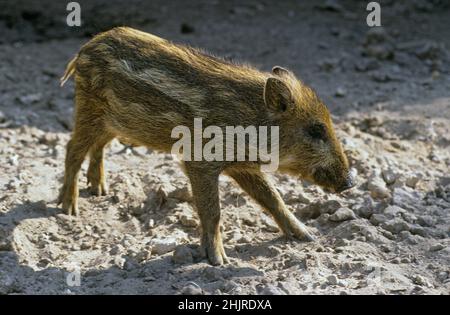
(205, 191)
(260, 189)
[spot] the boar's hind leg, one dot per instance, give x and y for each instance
(96, 172)
(88, 131)
(77, 149)
(205, 192)
(260, 189)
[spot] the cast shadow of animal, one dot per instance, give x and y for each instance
(155, 276)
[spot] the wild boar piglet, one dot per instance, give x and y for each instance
(138, 87)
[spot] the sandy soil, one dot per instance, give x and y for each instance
(388, 89)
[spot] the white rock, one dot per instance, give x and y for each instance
(192, 288)
(389, 176)
(419, 280)
(234, 236)
(341, 92)
(436, 247)
(378, 189)
(411, 181)
(342, 214)
(163, 246)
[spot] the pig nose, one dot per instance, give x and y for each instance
(349, 183)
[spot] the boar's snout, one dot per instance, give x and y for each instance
(332, 180)
(348, 183)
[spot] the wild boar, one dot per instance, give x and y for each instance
(137, 86)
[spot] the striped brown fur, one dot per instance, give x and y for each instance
(137, 86)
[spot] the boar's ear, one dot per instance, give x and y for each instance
(277, 70)
(277, 95)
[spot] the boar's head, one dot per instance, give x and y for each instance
(308, 146)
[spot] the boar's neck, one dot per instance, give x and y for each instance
(239, 101)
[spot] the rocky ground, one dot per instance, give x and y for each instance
(388, 89)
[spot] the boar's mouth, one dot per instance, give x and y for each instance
(330, 181)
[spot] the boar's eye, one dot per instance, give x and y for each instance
(283, 104)
(317, 132)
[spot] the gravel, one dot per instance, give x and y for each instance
(163, 245)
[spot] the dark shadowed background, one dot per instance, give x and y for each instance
(327, 43)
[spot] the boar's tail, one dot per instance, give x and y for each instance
(70, 70)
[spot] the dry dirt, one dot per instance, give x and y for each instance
(388, 89)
